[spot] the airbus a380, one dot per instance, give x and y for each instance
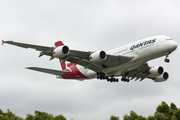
(129, 61)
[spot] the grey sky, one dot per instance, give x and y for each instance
(84, 25)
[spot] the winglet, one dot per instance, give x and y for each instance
(3, 42)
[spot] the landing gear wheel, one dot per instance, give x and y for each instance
(122, 79)
(102, 76)
(166, 60)
(125, 79)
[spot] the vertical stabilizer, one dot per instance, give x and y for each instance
(60, 43)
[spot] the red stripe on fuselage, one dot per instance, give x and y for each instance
(74, 73)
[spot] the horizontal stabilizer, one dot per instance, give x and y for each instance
(49, 71)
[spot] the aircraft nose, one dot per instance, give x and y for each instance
(173, 45)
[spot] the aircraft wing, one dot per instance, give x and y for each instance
(45, 50)
(77, 57)
(111, 60)
(49, 71)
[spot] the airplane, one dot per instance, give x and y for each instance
(128, 61)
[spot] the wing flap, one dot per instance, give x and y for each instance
(49, 71)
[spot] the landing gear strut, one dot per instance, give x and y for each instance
(101, 76)
(166, 59)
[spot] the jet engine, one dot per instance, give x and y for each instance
(60, 51)
(97, 56)
(155, 71)
(161, 78)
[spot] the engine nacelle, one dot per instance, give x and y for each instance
(161, 78)
(97, 56)
(60, 51)
(155, 71)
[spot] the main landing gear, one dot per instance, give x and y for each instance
(124, 79)
(166, 58)
(101, 76)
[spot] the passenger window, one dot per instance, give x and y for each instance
(168, 39)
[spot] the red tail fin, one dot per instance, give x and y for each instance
(3, 42)
(60, 43)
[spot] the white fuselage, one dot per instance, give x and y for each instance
(142, 50)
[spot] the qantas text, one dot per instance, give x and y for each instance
(143, 44)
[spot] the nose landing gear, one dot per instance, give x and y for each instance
(166, 58)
